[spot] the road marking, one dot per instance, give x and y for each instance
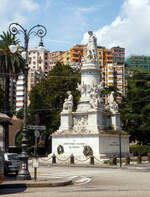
(76, 179)
(83, 180)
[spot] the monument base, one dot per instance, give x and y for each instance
(102, 145)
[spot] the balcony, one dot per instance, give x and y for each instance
(110, 81)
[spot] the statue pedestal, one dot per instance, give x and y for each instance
(115, 121)
(66, 121)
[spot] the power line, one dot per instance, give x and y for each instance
(51, 109)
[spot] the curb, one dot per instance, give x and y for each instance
(83, 166)
(35, 184)
(99, 166)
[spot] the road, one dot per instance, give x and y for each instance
(90, 182)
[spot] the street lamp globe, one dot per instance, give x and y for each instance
(13, 47)
(24, 55)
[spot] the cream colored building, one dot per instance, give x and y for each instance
(38, 68)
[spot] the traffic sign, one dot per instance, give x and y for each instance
(35, 127)
(37, 133)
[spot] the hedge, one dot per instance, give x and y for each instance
(139, 149)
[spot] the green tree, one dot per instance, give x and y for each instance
(19, 114)
(10, 66)
(107, 90)
(135, 108)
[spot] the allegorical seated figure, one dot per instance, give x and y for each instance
(68, 104)
(113, 106)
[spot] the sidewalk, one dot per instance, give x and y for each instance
(54, 182)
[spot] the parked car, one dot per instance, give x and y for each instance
(1, 166)
(12, 163)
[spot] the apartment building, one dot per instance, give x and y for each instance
(112, 64)
(139, 62)
(39, 64)
(55, 57)
(38, 68)
(19, 92)
(73, 56)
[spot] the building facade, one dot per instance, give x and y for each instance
(55, 57)
(73, 56)
(139, 62)
(112, 64)
(39, 66)
(20, 92)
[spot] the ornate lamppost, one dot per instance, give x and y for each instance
(40, 31)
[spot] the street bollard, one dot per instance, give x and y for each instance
(53, 158)
(71, 159)
(148, 157)
(114, 160)
(92, 160)
(139, 158)
(127, 161)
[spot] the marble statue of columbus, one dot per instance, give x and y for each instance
(91, 48)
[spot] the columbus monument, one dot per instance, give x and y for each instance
(94, 128)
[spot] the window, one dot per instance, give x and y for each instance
(34, 62)
(20, 96)
(32, 75)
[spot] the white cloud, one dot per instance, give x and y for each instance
(86, 10)
(29, 5)
(16, 11)
(130, 29)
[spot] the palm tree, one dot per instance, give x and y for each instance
(11, 65)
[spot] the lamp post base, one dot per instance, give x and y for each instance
(24, 173)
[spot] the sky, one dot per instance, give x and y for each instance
(124, 23)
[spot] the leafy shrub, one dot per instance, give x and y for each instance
(41, 151)
(139, 149)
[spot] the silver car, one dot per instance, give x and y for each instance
(12, 163)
